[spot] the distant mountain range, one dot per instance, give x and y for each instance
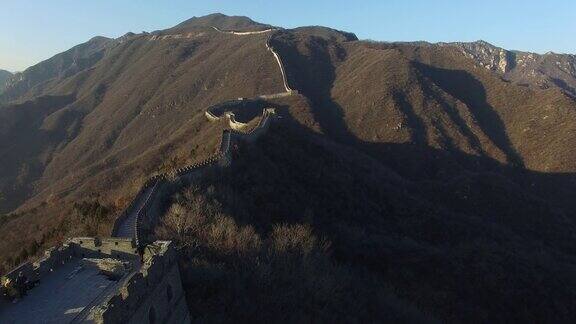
(550, 70)
(523, 68)
(58, 67)
(438, 178)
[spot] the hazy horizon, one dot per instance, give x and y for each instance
(66, 23)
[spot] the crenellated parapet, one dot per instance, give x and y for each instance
(80, 247)
(256, 132)
(34, 271)
(234, 124)
(150, 289)
(94, 247)
(153, 293)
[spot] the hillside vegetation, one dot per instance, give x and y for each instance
(405, 182)
(264, 233)
(98, 134)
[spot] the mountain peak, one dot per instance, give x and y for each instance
(98, 39)
(221, 21)
(484, 43)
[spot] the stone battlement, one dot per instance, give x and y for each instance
(79, 247)
(150, 292)
(153, 294)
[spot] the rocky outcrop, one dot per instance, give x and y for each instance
(528, 69)
(487, 55)
(4, 76)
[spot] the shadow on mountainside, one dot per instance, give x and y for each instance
(308, 227)
(415, 123)
(455, 117)
(311, 71)
(448, 233)
(463, 86)
(460, 250)
(464, 214)
(314, 79)
(313, 75)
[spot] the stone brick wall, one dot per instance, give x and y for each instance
(280, 64)
(152, 295)
(154, 291)
(241, 33)
(79, 247)
(234, 124)
(145, 218)
(94, 247)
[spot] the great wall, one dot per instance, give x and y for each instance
(125, 278)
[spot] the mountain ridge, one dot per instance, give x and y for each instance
(410, 164)
(522, 67)
(549, 70)
(59, 66)
(224, 22)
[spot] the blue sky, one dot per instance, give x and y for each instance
(34, 30)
